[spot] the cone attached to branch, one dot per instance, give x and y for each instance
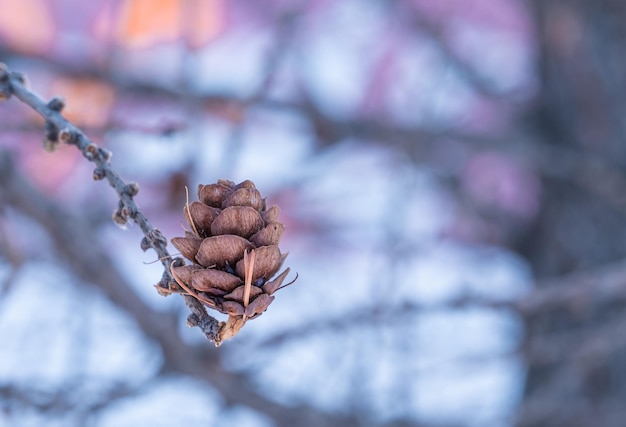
(234, 254)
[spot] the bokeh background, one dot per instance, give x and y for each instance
(451, 175)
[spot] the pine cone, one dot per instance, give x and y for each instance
(233, 247)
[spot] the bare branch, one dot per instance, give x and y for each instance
(59, 129)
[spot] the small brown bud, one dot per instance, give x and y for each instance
(67, 136)
(98, 174)
(188, 246)
(213, 194)
(240, 220)
(131, 189)
(51, 138)
(145, 244)
(119, 218)
(50, 145)
(57, 103)
(90, 152)
(222, 250)
(91, 148)
(156, 236)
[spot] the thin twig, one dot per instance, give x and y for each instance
(59, 129)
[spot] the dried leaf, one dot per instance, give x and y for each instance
(240, 220)
(270, 235)
(208, 279)
(222, 250)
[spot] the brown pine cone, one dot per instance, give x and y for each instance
(233, 247)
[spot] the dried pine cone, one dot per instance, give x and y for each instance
(233, 247)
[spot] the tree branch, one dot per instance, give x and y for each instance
(59, 129)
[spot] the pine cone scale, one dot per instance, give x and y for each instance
(221, 250)
(241, 220)
(209, 279)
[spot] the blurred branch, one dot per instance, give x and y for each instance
(14, 259)
(283, 38)
(418, 22)
(329, 130)
(580, 293)
(62, 400)
(58, 129)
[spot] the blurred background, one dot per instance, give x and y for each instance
(451, 175)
